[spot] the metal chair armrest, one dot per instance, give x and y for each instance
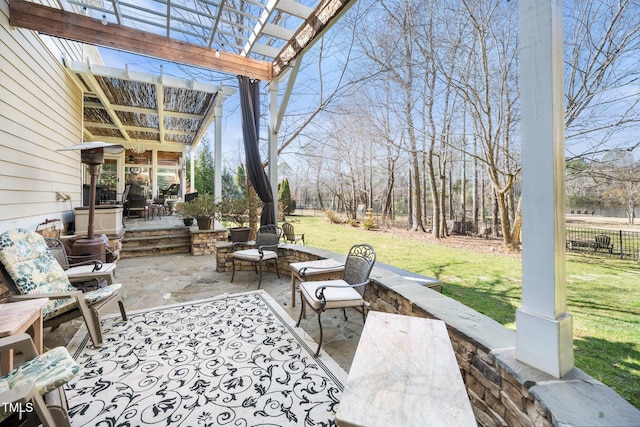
(303, 270)
(320, 289)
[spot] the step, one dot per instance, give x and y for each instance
(142, 251)
(138, 243)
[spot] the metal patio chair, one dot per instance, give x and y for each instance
(266, 248)
(342, 293)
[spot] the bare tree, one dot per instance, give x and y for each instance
(487, 81)
(602, 106)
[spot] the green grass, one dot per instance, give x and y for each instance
(603, 294)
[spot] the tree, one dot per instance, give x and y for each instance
(204, 168)
(284, 196)
(602, 106)
(620, 175)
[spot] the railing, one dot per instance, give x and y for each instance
(612, 243)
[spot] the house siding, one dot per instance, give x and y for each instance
(40, 112)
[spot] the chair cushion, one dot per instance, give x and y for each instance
(48, 371)
(335, 297)
(33, 268)
(254, 255)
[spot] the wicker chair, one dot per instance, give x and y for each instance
(83, 271)
(343, 293)
(266, 248)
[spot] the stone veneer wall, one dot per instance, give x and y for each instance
(203, 241)
(502, 390)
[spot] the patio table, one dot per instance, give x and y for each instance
(16, 318)
(322, 269)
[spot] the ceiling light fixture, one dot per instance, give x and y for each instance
(217, 53)
(104, 20)
(137, 148)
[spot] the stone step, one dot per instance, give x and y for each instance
(139, 243)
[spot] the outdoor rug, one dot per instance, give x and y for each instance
(235, 360)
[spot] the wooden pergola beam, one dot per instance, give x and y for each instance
(323, 17)
(73, 26)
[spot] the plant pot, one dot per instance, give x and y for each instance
(239, 234)
(204, 223)
(188, 222)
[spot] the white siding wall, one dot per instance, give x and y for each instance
(40, 111)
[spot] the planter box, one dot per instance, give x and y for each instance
(239, 234)
(107, 220)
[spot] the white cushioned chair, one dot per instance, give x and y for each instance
(343, 293)
(266, 248)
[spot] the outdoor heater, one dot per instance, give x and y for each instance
(92, 154)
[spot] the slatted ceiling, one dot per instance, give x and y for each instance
(181, 100)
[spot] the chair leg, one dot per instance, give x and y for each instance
(344, 312)
(260, 280)
(233, 268)
(123, 310)
(301, 309)
(277, 270)
(320, 340)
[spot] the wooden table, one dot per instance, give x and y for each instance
(322, 269)
(404, 373)
(17, 317)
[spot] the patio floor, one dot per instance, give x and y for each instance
(168, 279)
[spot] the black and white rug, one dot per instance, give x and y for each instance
(235, 360)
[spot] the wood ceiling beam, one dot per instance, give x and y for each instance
(314, 27)
(73, 26)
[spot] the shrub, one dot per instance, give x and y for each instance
(353, 223)
(333, 216)
(367, 223)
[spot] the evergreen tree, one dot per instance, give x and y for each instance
(204, 168)
(230, 190)
(241, 180)
(284, 196)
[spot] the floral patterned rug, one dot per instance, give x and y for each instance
(235, 360)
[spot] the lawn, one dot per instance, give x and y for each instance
(603, 294)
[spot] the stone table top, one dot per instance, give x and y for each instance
(404, 373)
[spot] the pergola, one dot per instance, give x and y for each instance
(265, 39)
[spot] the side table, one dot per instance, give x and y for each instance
(16, 318)
(322, 269)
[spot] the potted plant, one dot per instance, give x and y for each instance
(186, 219)
(202, 209)
(236, 211)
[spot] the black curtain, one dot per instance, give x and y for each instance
(250, 108)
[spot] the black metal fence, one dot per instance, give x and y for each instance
(612, 243)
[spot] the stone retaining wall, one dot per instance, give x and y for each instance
(502, 390)
(203, 241)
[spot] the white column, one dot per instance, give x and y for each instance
(192, 169)
(544, 337)
(273, 142)
(217, 153)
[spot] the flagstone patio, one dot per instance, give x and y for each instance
(153, 281)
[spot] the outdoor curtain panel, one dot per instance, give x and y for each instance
(250, 108)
